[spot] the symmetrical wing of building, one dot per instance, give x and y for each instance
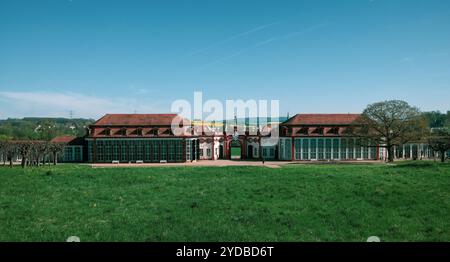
(139, 138)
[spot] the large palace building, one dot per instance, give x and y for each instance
(148, 138)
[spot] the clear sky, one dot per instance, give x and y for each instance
(98, 56)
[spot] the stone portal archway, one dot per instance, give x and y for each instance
(235, 149)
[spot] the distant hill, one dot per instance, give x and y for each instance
(43, 128)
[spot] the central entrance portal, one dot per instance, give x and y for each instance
(235, 149)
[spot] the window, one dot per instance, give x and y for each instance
(358, 148)
(131, 151)
(90, 151)
(373, 152)
(313, 149)
(201, 152)
(407, 151)
(343, 148)
(288, 149)
(297, 144)
(124, 151)
(305, 149)
(328, 148)
(304, 130)
(365, 152)
(77, 154)
(163, 146)
(319, 130)
(208, 152)
(255, 152)
(335, 148)
(107, 151)
(334, 130)
(179, 153)
(320, 149)
(351, 148)
(100, 151)
(155, 151)
(155, 132)
(139, 149)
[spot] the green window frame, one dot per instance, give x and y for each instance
(351, 148)
(320, 149)
(343, 148)
(313, 148)
(336, 148)
(327, 148)
(358, 148)
(156, 146)
(305, 147)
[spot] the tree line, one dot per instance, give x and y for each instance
(38, 128)
(31, 152)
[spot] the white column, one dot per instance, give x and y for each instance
(346, 149)
(332, 149)
(395, 151)
(411, 151)
(419, 151)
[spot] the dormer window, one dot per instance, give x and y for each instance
(123, 131)
(318, 131)
(155, 132)
(334, 130)
(304, 130)
(107, 132)
(139, 131)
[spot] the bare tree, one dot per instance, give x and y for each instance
(439, 141)
(24, 149)
(9, 150)
(388, 124)
(41, 150)
(55, 149)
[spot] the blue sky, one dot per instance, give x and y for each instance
(95, 57)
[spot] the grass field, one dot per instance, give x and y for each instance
(340, 202)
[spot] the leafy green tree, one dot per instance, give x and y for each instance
(390, 123)
(439, 141)
(435, 119)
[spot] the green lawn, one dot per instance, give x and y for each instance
(343, 202)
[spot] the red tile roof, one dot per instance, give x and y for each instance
(63, 139)
(69, 140)
(137, 120)
(321, 119)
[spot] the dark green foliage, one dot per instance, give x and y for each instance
(437, 119)
(402, 202)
